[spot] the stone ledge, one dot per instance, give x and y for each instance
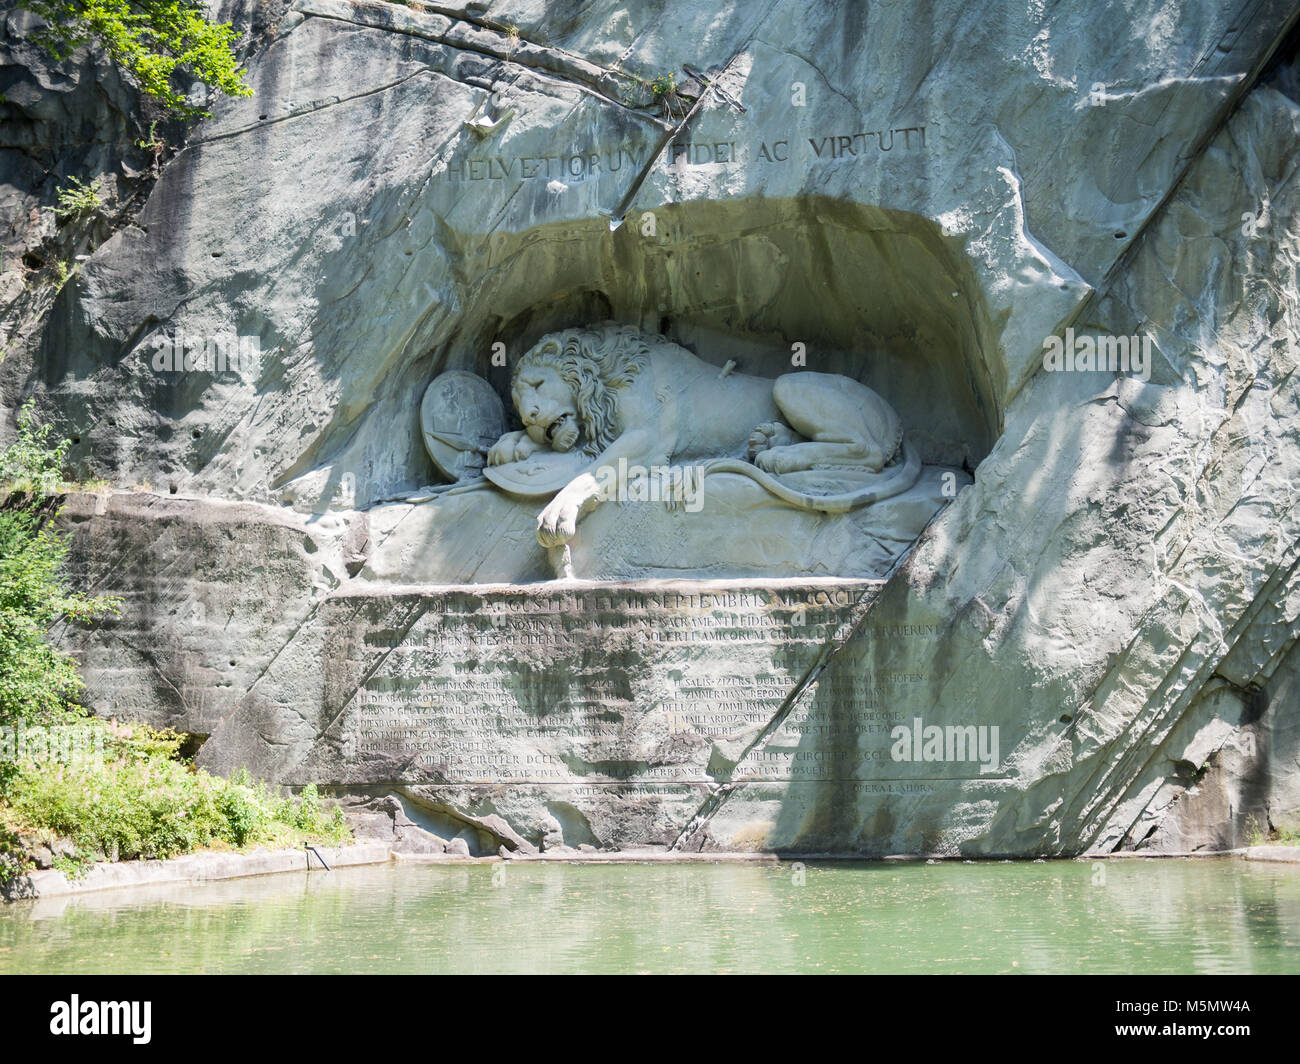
(648, 857)
(211, 866)
(1289, 854)
(1155, 855)
(195, 868)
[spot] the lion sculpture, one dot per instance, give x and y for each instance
(612, 393)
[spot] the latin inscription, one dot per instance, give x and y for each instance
(628, 686)
(583, 164)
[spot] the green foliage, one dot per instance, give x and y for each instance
(150, 40)
(664, 89)
(131, 808)
(307, 816)
(635, 91)
(63, 272)
(153, 142)
(1264, 834)
(33, 462)
(140, 742)
(74, 866)
(78, 200)
(1255, 835)
(13, 859)
(247, 817)
(139, 802)
(37, 681)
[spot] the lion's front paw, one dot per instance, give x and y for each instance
(558, 523)
(512, 447)
(526, 448)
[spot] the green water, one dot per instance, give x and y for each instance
(1208, 916)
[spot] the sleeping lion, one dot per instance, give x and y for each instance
(611, 392)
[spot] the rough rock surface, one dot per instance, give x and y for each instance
(920, 202)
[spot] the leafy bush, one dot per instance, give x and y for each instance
(307, 817)
(246, 817)
(13, 860)
(138, 802)
(150, 40)
(126, 809)
(38, 682)
(77, 199)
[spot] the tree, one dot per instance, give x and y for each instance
(150, 40)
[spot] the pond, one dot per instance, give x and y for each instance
(1128, 916)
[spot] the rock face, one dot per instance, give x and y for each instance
(1090, 646)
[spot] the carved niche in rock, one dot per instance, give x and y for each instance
(612, 414)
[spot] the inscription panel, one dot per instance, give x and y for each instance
(603, 684)
(592, 162)
(589, 683)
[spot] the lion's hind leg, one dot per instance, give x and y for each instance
(815, 405)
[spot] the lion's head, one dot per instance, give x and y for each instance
(592, 365)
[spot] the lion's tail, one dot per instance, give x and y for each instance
(892, 482)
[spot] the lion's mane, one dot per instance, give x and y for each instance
(596, 364)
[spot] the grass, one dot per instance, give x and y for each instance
(141, 800)
(1280, 837)
(27, 486)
